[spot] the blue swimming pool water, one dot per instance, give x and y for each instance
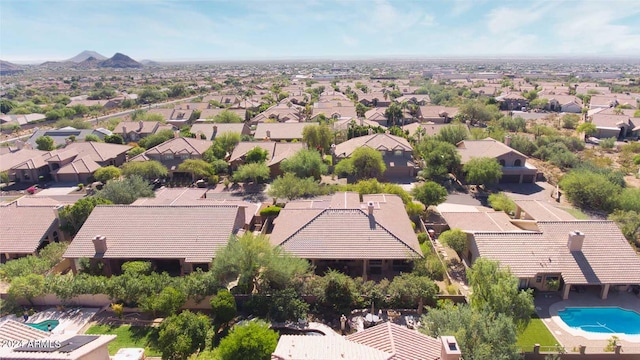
(44, 325)
(602, 319)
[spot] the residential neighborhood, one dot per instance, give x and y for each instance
(335, 206)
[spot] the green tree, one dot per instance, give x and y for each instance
(455, 239)
(364, 163)
(590, 190)
(72, 217)
(482, 171)
(289, 186)
(430, 193)
(256, 264)
(476, 112)
(224, 307)
(151, 95)
(256, 155)
(501, 202)
(156, 139)
(199, 169)
(453, 134)
(107, 173)
(413, 290)
(539, 103)
(92, 138)
(114, 139)
(26, 287)
(587, 128)
(394, 115)
(305, 163)
(361, 109)
(319, 137)
(182, 335)
(252, 171)
(167, 302)
(497, 290)
(480, 334)
(126, 191)
(252, 340)
(227, 117)
(46, 143)
(440, 157)
(149, 170)
(629, 224)
(339, 291)
(570, 121)
(135, 151)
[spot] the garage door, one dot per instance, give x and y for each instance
(510, 179)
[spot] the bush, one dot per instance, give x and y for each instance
(501, 202)
(270, 211)
(118, 310)
(608, 143)
(456, 239)
(590, 190)
(224, 307)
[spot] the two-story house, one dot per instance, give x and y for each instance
(515, 168)
(396, 152)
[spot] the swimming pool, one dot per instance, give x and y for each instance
(44, 325)
(602, 319)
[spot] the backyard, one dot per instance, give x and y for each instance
(536, 333)
(129, 337)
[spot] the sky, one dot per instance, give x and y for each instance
(38, 30)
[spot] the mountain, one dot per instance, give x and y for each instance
(7, 68)
(119, 61)
(85, 55)
(90, 63)
(149, 63)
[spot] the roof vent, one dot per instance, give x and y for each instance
(370, 207)
(450, 348)
(576, 239)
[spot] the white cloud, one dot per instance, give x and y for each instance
(503, 19)
(460, 7)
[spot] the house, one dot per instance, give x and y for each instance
(173, 152)
(567, 255)
(175, 117)
(276, 153)
(280, 113)
(536, 210)
(374, 99)
(612, 100)
(209, 114)
(27, 228)
(386, 341)
(437, 114)
(211, 130)
(21, 119)
(427, 129)
(24, 154)
(376, 115)
(512, 101)
(515, 168)
(615, 126)
(175, 238)
(280, 131)
(334, 110)
(422, 99)
(563, 103)
(396, 152)
(372, 238)
(132, 131)
(346, 123)
(65, 135)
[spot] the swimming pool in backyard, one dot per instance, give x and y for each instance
(608, 320)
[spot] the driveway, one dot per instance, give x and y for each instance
(58, 189)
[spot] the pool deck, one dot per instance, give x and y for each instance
(71, 320)
(548, 307)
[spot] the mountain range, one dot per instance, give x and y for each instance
(86, 55)
(7, 68)
(91, 60)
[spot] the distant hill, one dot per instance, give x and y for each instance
(149, 63)
(85, 55)
(7, 68)
(89, 63)
(119, 61)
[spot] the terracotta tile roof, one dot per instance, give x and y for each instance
(13, 158)
(22, 228)
(13, 330)
(488, 147)
(172, 196)
(539, 210)
(285, 150)
(140, 127)
(98, 151)
(300, 347)
(479, 221)
(386, 142)
(276, 151)
(344, 124)
(343, 230)
(180, 145)
(281, 131)
(430, 111)
(403, 343)
(375, 114)
(212, 129)
(606, 256)
(83, 165)
(185, 232)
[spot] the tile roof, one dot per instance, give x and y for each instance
(13, 158)
(488, 147)
(276, 151)
(341, 229)
(14, 330)
(344, 124)
(140, 127)
(602, 119)
(301, 347)
(185, 232)
(83, 165)
(22, 228)
(386, 142)
(212, 129)
(539, 210)
(430, 129)
(606, 256)
(172, 196)
(430, 111)
(479, 221)
(98, 151)
(403, 343)
(180, 145)
(211, 113)
(281, 131)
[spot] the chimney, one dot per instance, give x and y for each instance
(176, 134)
(20, 144)
(56, 211)
(507, 140)
(215, 129)
(268, 134)
(188, 107)
(576, 239)
(100, 244)
(141, 123)
(450, 348)
(370, 131)
(124, 132)
(370, 208)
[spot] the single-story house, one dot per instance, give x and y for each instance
(211, 130)
(512, 101)
(615, 126)
(26, 228)
(173, 152)
(376, 115)
(515, 168)
(437, 114)
(134, 131)
(175, 117)
(175, 238)
(536, 210)
(66, 135)
(417, 99)
(280, 131)
(396, 152)
(280, 113)
(372, 238)
(276, 152)
(564, 103)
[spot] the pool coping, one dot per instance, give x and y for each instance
(555, 308)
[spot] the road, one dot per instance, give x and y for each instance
(118, 114)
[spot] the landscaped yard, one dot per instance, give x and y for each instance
(535, 333)
(129, 337)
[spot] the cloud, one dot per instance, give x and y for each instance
(460, 7)
(503, 19)
(349, 41)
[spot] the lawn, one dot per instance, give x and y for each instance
(535, 333)
(129, 337)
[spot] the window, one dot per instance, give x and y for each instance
(518, 162)
(502, 162)
(56, 238)
(397, 153)
(184, 156)
(167, 157)
(539, 278)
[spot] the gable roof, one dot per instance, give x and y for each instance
(383, 141)
(14, 330)
(541, 211)
(185, 232)
(84, 165)
(344, 229)
(488, 147)
(473, 221)
(606, 256)
(281, 131)
(180, 145)
(300, 347)
(276, 151)
(97, 151)
(13, 158)
(23, 227)
(403, 343)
